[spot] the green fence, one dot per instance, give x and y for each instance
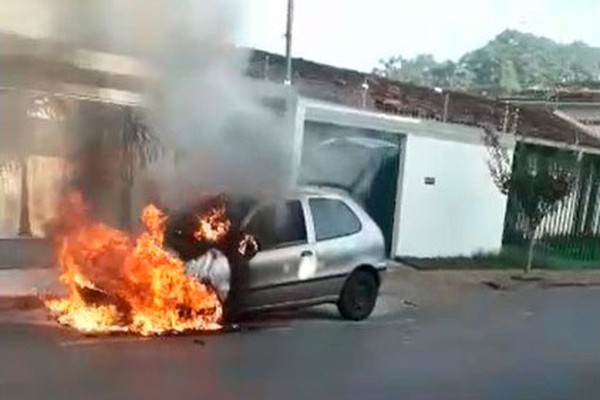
(572, 231)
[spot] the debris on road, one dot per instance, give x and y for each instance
(409, 303)
(526, 278)
(494, 285)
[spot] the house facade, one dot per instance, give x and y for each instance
(434, 197)
(56, 101)
(412, 156)
(580, 105)
(572, 232)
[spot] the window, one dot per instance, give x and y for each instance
(280, 225)
(29, 215)
(333, 219)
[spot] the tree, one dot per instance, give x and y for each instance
(538, 182)
(136, 148)
(389, 68)
(509, 79)
(512, 61)
(421, 70)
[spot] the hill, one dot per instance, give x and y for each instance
(513, 61)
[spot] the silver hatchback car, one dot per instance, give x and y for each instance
(317, 246)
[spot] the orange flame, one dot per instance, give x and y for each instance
(213, 225)
(116, 284)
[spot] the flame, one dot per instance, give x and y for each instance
(118, 284)
(213, 225)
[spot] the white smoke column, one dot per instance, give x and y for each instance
(200, 102)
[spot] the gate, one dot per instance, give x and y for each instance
(572, 230)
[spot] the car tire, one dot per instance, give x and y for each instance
(358, 296)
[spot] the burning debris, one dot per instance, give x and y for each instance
(213, 226)
(118, 284)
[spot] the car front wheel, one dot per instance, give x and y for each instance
(358, 296)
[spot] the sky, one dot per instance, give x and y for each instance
(357, 33)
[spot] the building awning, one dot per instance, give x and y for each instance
(47, 66)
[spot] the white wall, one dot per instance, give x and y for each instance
(461, 214)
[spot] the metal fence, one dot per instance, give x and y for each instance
(572, 230)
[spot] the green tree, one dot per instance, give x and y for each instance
(422, 70)
(512, 61)
(509, 79)
(538, 182)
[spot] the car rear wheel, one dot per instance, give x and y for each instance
(358, 296)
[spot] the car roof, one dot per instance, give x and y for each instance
(322, 191)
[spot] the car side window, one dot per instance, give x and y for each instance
(333, 219)
(278, 225)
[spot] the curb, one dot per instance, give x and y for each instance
(23, 289)
(502, 285)
(20, 303)
(569, 284)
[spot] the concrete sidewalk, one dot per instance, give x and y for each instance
(407, 287)
(514, 278)
(23, 288)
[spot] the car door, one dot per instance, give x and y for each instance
(337, 230)
(286, 254)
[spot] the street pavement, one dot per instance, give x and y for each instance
(443, 341)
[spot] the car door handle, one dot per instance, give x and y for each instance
(306, 253)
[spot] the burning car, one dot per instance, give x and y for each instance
(317, 246)
(226, 256)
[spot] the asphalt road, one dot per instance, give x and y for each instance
(529, 344)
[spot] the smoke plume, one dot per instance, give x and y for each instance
(215, 133)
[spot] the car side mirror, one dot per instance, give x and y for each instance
(248, 246)
(250, 255)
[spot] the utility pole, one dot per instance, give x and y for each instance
(446, 97)
(266, 68)
(446, 101)
(506, 115)
(288, 42)
(365, 89)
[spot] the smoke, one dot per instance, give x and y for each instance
(207, 116)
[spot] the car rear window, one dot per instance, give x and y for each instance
(333, 219)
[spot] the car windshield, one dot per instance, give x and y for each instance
(182, 225)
